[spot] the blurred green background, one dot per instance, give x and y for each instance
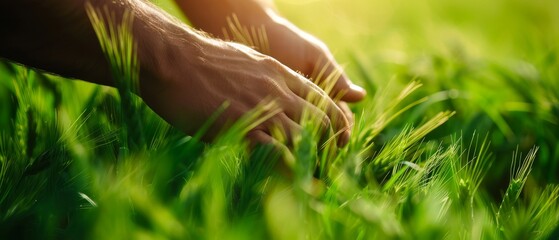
(66, 171)
(497, 62)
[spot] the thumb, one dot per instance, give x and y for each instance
(341, 87)
(348, 91)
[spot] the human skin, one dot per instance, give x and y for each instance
(184, 76)
(290, 45)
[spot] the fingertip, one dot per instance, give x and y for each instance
(357, 88)
(343, 139)
(351, 92)
(354, 93)
(259, 138)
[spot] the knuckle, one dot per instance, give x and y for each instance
(255, 135)
(270, 61)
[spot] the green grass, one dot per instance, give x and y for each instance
(457, 139)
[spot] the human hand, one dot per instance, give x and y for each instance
(190, 84)
(306, 54)
(184, 77)
(284, 41)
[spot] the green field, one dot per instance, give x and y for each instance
(457, 139)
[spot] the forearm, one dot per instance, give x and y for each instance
(57, 36)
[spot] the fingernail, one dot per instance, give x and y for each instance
(357, 88)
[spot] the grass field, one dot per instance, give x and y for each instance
(457, 139)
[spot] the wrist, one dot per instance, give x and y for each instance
(164, 47)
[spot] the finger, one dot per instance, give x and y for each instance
(258, 137)
(307, 90)
(284, 128)
(331, 77)
(301, 110)
(320, 123)
(347, 111)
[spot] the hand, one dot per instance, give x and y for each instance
(304, 53)
(185, 77)
(189, 86)
(291, 46)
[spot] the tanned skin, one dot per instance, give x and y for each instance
(185, 76)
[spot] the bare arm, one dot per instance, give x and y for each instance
(184, 76)
(52, 35)
(57, 36)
